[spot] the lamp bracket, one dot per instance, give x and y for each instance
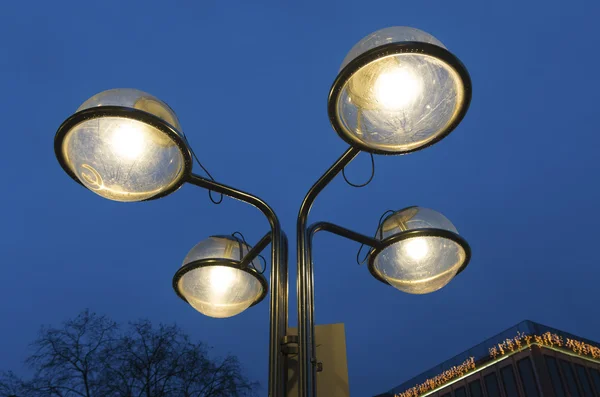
(289, 344)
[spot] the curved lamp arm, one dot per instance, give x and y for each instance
(257, 249)
(340, 231)
(278, 277)
(305, 282)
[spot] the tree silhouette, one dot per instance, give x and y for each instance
(90, 357)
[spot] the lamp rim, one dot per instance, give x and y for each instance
(132, 114)
(183, 270)
(414, 233)
(405, 47)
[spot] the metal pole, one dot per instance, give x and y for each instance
(305, 281)
(278, 315)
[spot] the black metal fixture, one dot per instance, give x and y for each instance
(416, 250)
(126, 145)
(399, 90)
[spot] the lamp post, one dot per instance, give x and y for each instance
(126, 145)
(399, 90)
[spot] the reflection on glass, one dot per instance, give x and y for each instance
(491, 385)
(475, 388)
(596, 379)
(570, 376)
(528, 377)
(460, 392)
(557, 384)
(584, 380)
(510, 384)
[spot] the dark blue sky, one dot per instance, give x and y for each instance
(249, 82)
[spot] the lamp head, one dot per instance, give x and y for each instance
(420, 251)
(124, 145)
(213, 282)
(398, 90)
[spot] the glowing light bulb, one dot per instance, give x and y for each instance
(128, 141)
(416, 248)
(397, 87)
(221, 279)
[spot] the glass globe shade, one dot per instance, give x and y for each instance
(419, 264)
(215, 290)
(398, 102)
(121, 158)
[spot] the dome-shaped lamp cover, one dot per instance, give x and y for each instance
(421, 264)
(394, 34)
(399, 102)
(219, 291)
(120, 158)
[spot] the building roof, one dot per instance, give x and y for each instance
(481, 351)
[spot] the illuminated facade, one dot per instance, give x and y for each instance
(527, 360)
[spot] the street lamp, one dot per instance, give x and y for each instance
(126, 145)
(215, 280)
(416, 250)
(399, 90)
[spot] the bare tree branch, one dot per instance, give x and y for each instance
(89, 357)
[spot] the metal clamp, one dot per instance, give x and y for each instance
(289, 344)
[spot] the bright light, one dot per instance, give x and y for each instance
(128, 141)
(397, 88)
(416, 248)
(221, 279)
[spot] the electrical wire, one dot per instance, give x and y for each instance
(219, 201)
(370, 178)
(264, 261)
(375, 236)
